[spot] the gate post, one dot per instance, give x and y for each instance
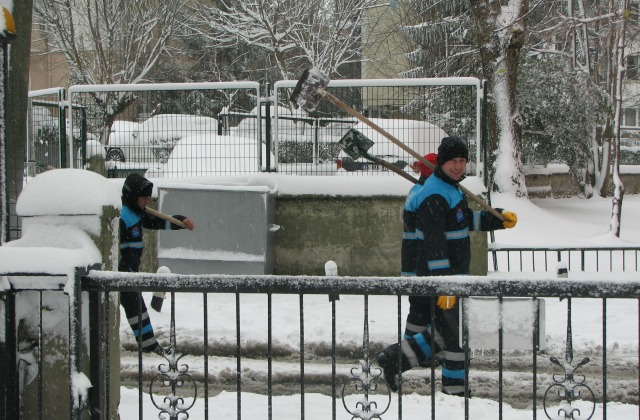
(70, 219)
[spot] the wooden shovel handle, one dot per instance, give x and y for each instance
(337, 102)
(165, 217)
(392, 167)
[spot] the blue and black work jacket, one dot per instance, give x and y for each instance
(131, 234)
(409, 246)
(443, 223)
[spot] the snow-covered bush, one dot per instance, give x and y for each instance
(560, 107)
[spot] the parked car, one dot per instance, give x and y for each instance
(420, 136)
(208, 155)
(290, 126)
(153, 139)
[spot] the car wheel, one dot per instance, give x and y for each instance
(115, 154)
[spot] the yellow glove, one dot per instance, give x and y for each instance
(510, 219)
(446, 302)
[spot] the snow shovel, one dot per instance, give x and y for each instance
(355, 144)
(311, 88)
(165, 217)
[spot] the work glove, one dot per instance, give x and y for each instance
(446, 302)
(510, 219)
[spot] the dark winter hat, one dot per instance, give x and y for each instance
(135, 186)
(452, 147)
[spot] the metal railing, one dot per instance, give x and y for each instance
(536, 259)
(357, 388)
(557, 377)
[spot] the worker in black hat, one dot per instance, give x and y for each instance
(443, 222)
(136, 195)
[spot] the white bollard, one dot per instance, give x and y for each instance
(158, 297)
(331, 269)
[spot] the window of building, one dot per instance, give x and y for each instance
(630, 117)
(633, 61)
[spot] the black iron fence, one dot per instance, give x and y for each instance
(222, 353)
(534, 259)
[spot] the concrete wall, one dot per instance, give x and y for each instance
(361, 234)
(543, 184)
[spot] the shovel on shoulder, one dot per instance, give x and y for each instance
(311, 88)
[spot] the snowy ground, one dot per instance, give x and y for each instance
(548, 222)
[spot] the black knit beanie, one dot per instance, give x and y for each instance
(452, 147)
(135, 186)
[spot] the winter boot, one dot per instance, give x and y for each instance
(388, 361)
(157, 349)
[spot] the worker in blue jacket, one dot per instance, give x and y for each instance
(136, 195)
(443, 248)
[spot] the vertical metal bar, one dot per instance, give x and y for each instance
(398, 340)
(604, 358)
(62, 132)
(139, 340)
(75, 340)
(95, 355)
(333, 359)
(267, 111)
(107, 368)
(301, 299)
(569, 345)
(520, 254)
(172, 335)
(536, 347)
(533, 259)
(465, 337)
(12, 399)
(39, 361)
(205, 333)
(484, 136)
(269, 357)
(238, 361)
(4, 369)
(546, 260)
(500, 365)
(433, 364)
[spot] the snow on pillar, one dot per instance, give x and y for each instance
(70, 219)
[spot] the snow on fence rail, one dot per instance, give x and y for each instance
(236, 320)
(364, 376)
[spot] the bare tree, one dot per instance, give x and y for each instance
(109, 41)
(598, 35)
(295, 33)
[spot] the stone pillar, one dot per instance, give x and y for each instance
(73, 215)
(479, 247)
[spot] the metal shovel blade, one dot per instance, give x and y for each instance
(355, 144)
(306, 94)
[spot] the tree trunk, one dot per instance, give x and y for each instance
(499, 44)
(618, 187)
